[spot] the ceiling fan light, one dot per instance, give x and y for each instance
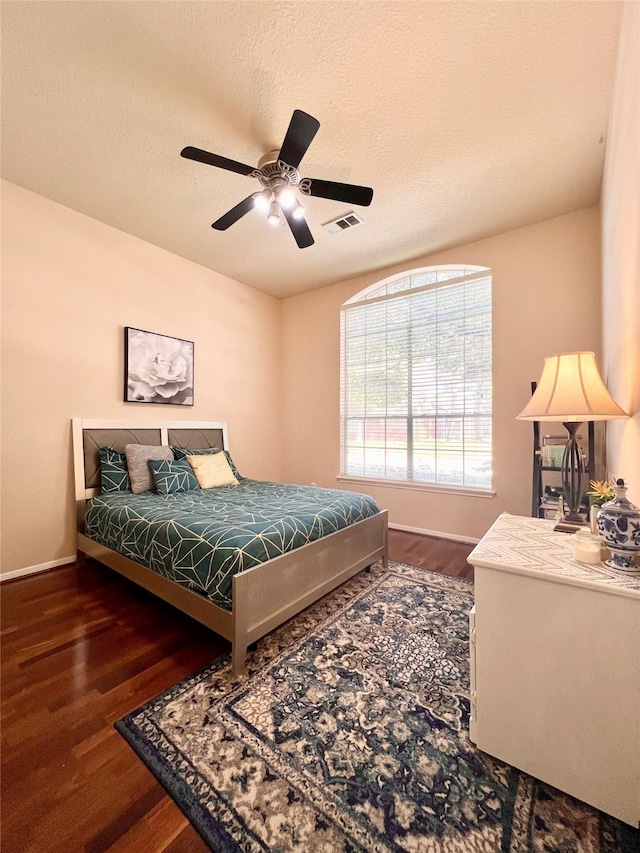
(287, 198)
(297, 211)
(274, 217)
(262, 200)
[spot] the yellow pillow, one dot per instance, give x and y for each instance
(212, 470)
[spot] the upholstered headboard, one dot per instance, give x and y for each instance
(89, 435)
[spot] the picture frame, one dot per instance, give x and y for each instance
(157, 368)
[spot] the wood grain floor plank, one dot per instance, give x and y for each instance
(114, 831)
(157, 831)
(83, 647)
(187, 842)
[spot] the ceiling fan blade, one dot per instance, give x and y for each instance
(349, 193)
(300, 230)
(234, 214)
(299, 136)
(216, 160)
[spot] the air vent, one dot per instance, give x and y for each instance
(349, 220)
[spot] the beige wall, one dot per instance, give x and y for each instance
(621, 258)
(546, 299)
(70, 285)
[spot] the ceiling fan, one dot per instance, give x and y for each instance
(278, 174)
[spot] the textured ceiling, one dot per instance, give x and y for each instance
(467, 119)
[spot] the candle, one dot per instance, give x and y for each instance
(586, 547)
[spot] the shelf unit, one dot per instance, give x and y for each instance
(539, 507)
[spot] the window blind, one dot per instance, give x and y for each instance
(416, 387)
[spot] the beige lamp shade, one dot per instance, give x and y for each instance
(571, 390)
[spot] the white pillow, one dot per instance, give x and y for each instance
(138, 456)
(212, 470)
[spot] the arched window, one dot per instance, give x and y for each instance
(416, 379)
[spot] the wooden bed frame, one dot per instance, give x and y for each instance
(264, 596)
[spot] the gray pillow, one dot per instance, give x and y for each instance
(138, 456)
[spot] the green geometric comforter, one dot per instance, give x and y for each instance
(200, 539)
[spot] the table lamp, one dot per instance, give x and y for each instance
(571, 391)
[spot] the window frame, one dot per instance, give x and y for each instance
(469, 273)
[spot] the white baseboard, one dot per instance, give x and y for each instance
(32, 570)
(63, 561)
(455, 537)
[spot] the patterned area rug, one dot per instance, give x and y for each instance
(349, 732)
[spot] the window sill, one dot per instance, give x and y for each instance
(415, 486)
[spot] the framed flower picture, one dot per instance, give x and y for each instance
(157, 368)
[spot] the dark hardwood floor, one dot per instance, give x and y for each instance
(81, 648)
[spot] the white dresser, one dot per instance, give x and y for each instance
(555, 664)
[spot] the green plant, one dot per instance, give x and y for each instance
(601, 492)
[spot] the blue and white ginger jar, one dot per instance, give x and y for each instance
(619, 530)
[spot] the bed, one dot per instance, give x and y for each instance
(250, 602)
